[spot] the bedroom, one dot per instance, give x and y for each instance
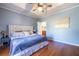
(39, 29)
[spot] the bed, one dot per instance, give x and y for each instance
(22, 44)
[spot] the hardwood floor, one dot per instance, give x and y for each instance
(53, 49)
(58, 49)
(4, 51)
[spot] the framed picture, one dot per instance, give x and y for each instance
(62, 23)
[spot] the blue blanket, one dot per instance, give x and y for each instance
(24, 43)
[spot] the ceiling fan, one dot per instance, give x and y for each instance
(41, 7)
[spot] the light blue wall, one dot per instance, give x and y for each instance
(8, 17)
(70, 35)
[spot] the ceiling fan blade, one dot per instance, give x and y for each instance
(49, 5)
(40, 5)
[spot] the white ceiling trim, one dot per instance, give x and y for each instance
(21, 5)
(60, 11)
(3, 5)
(29, 14)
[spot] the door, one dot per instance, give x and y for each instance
(41, 28)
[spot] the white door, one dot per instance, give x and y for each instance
(41, 26)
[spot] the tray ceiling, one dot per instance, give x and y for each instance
(26, 8)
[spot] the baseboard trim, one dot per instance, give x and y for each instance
(67, 43)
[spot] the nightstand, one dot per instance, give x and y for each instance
(5, 41)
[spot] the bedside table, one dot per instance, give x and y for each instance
(5, 41)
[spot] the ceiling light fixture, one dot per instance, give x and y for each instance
(41, 7)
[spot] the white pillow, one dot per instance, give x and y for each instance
(17, 34)
(26, 33)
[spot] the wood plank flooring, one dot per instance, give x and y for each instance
(58, 49)
(52, 49)
(4, 51)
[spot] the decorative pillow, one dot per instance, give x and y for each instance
(26, 33)
(20, 34)
(17, 34)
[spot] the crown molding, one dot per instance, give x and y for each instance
(61, 10)
(17, 10)
(29, 14)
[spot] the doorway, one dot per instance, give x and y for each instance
(41, 28)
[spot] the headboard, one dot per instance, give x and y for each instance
(14, 28)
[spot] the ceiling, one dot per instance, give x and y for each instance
(26, 8)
